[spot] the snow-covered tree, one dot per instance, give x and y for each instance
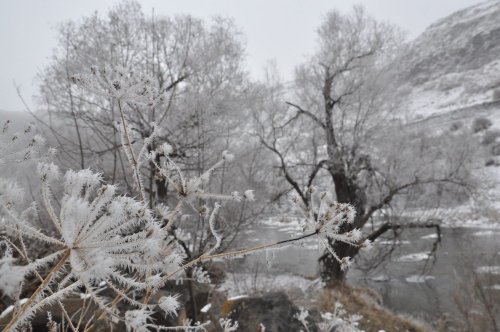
(195, 65)
(199, 88)
(340, 124)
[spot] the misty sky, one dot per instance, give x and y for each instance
(283, 30)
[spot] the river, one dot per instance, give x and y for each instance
(408, 280)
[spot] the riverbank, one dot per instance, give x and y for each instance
(404, 270)
(342, 308)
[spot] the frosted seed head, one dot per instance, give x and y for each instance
(154, 281)
(228, 325)
(11, 275)
(200, 275)
(167, 149)
(48, 172)
(227, 156)
(355, 235)
(345, 262)
(236, 196)
(249, 195)
(367, 244)
(137, 320)
(169, 304)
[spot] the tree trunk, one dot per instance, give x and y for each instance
(347, 192)
(330, 270)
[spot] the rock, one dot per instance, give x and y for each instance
(203, 294)
(273, 310)
(216, 271)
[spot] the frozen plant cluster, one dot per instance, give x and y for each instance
(339, 320)
(99, 236)
(101, 239)
(325, 217)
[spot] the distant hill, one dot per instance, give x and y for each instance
(455, 62)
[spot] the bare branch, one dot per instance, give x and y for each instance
(307, 113)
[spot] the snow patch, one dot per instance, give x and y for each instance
(84, 296)
(392, 242)
(10, 308)
(411, 258)
(429, 236)
(486, 233)
(206, 308)
(380, 278)
(278, 222)
(247, 282)
(418, 279)
(489, 270)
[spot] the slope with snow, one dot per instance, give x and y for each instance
(455, 63)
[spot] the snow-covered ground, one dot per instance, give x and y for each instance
(419, 278)
(412, 258)
(448, 93)
(489, 270)
(239, 284)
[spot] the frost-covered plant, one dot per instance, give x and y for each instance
(338, 321)
(228, 325)
(11, 275)
(120, 84)
(100, 238)
(189, 189)
(325, 217)
(480, 124)
(301, 316)
(18, 146)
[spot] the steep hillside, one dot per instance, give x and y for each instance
(455, 63)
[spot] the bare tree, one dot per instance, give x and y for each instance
(340, 123)
(196, 67)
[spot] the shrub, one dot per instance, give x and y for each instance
(496, 95)
(480, 124)
(490, 136)
(491, 162)
(456, 125)
(495, 150)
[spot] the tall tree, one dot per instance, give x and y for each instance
(200, 98)
(340, 120)
(196, 67)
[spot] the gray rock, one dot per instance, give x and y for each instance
(273, 310)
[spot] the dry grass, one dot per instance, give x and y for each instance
(366, 302)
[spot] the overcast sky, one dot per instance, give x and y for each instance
(283, 30)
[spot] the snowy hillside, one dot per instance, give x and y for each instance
(455, 63)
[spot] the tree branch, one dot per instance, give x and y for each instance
(307, 113)
(432, 223)
(284, 168)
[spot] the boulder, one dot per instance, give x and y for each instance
(273, 310)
